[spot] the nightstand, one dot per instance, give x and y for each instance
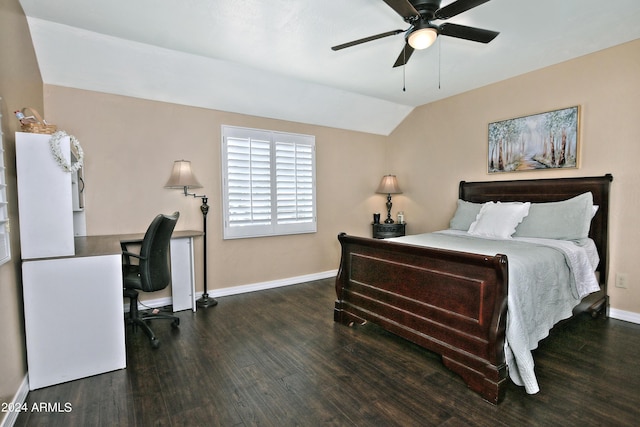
(383, 231)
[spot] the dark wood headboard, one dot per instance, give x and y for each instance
(552, 190)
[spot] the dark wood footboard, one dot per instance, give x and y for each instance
(452, 303)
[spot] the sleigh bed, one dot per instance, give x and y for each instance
(454, 302)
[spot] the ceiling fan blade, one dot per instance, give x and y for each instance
(404, 56)
(367, 39)
(457, 7)
(467, 33)
(403, 8)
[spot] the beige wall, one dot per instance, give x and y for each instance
(20, 86)
(446, 141)
(130, 145)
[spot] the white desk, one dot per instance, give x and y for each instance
(73, 307)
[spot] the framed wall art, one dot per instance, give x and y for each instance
(536, 142)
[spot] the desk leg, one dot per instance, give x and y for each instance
(194, 306)
(183, 292)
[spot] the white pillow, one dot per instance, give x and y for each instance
(499, 220)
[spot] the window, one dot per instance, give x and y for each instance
(268, 183)
(5, 253)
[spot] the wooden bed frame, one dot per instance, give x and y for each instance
(455, 303)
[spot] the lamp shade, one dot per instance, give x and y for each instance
(389, 185)
(181, 176)
(422, 36)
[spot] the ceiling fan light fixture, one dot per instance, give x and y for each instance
(421, 37)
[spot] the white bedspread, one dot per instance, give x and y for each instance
(547, 279)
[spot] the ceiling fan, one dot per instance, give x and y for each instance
(422, 33)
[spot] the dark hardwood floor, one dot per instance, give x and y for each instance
(276, 358)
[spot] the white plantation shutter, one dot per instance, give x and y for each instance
(5, 252)
(249, 181)
(294, 182)
(269, 183)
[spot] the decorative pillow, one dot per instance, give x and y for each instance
(499, 220)
(465, 214)
(566, 220)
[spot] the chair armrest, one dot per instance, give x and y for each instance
(126, 254)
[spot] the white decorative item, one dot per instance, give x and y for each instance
(54, 144)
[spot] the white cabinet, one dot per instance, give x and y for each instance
(73, 318)
(44, 198)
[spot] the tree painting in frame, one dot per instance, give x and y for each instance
(540, 141)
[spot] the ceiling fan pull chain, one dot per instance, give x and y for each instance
(404, 74)
(439, 61)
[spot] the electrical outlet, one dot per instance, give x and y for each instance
(621, 280)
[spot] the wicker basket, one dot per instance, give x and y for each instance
(40, 126)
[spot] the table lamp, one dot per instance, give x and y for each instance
(389, 185)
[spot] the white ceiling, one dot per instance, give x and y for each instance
(272, 58)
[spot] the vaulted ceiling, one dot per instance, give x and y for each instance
(273, 58)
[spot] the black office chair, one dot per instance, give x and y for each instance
(151, 273)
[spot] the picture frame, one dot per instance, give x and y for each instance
(541, 141)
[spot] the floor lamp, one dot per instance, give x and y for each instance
(182, 178)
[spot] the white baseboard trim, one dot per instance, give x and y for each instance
(627, 316)
(235, 290)
(18, 400)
